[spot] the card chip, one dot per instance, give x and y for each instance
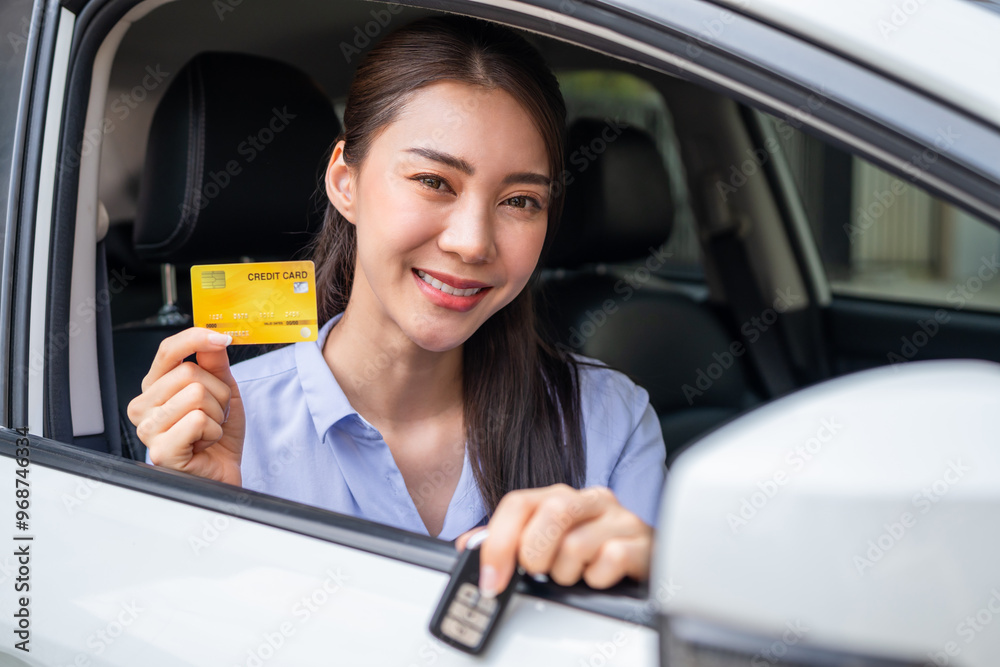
(213, 279)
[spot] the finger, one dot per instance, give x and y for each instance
(172, 383)
(498, 554)
(195, 397)
(557, 514)
(581, 545)
(175, 349)
(463, 539)
(619, 558)
(161, 418)
(172, 448)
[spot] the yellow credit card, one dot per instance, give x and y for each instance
(259, 302)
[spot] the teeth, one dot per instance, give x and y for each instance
(447, 289)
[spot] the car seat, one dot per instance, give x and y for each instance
(603, 298)
(235, 156)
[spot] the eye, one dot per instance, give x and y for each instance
(523, 202)
(433, 182)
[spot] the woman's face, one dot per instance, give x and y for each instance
(451, 209)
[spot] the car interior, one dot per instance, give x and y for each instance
(625, 282)
(218, 119)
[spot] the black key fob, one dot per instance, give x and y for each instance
(463, 618)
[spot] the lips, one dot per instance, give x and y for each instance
(449, 291)
(446, 287)
(452, 281)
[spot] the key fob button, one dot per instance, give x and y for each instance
(469, 616)
(460, 633)
(468, 594)
(487, 605)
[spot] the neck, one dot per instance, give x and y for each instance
(387, 378)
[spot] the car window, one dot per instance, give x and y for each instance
(629, 99)
(15, 21)
(882, 237)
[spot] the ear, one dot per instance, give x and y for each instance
(340, 183)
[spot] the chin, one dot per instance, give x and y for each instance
(441, 338)
(442, 343)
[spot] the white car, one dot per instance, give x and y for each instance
(782, 220)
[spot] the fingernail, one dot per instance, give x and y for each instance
(488, 581)
(219, 339)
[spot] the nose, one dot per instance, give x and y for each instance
(469, 233)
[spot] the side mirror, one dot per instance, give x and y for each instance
(855, 522)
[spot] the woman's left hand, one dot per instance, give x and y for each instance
(565, 533)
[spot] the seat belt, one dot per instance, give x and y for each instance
(725, 243)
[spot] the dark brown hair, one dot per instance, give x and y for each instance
(521, 395)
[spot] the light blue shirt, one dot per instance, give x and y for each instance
(306, 443)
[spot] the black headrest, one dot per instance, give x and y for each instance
(618, 202)
(233, 161)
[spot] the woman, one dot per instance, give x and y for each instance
(429, 401)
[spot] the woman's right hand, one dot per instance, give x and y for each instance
(190, 415)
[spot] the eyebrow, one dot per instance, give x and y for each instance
(463, 166)
(444, 158)
(527, 177)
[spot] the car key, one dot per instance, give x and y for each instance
(464, 618)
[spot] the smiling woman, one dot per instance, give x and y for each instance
(442, 198)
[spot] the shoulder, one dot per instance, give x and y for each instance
(272, 365)
(604, 387)
(624, 443)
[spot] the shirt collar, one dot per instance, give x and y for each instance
(326, 400)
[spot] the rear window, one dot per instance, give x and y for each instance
(630, 100)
